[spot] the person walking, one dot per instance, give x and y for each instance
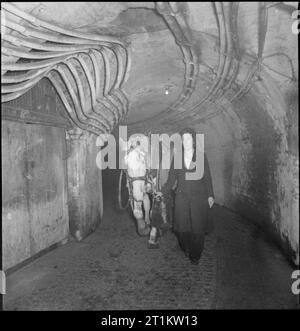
(193, 200)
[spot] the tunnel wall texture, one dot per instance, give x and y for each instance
(50, 186)
(34, 207)
(84, 186)
(253, 151)
(34, 176)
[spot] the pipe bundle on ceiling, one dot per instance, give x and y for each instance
(229, 62)
(86, 70)
(229, 55)
(177, 24)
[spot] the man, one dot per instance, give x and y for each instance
(193, 200)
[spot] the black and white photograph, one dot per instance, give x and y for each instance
(150, 159)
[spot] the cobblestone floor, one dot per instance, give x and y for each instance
(114, 269)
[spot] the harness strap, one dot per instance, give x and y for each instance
(130, 180)
(147, 178)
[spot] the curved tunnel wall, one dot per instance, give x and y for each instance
(254, 161)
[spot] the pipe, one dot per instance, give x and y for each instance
(107, 84)
(43, 46)
(68, 107)
(189, 58)
(97, 70)
(233, 15)
(116, 81)
(76, 115)
(256, 66)
(31, 32)
(103, 93)
(58, 56)
(223, 52)
(228, 57)
(81, 117)
(13, 51)
(33, 20)
(222, 38)
(121, 70)
(13, 96)
(82, 99)
(34, 65)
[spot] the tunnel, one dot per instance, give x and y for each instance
(75, 71)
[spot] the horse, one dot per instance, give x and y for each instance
(143, 184)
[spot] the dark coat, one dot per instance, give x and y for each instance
(191, 212)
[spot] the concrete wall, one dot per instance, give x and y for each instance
(49, 184)
(34, 208)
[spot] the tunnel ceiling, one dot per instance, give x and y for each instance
(205, 55)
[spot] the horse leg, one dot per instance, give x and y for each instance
(143, 228)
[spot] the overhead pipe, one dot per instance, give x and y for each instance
(189, 57)
(9, 79)
(115, 81)
(256, 66)
(34, 65)
(39, 23)
(108, 84)
(81, 117)
(229, 49)
(33, 74)
(52, 57)
(18, 41)
(232, 54)
(20, 86)
(12, 96)
(121, 71)
(84, 110)
(94, 88)
(30, 80)
(222, 51)
(104, 93)
(90, 83)
(69, 108)
(181, 21)
(31, 32)
(13, 51)
(236, 54)
(109, 111)
(84, 107)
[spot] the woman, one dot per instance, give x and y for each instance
(193, 200)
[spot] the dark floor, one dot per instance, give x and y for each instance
(114, 269)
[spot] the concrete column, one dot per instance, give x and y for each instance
(85, 200)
